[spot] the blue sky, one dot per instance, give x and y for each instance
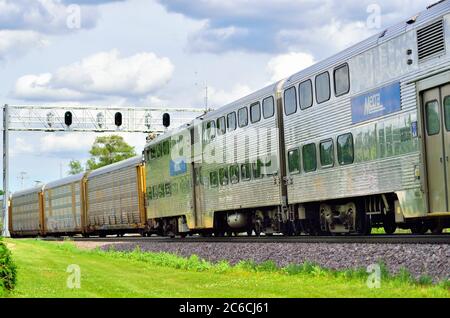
(161, 53)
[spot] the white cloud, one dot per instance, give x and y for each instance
(220, 97)
(98, 76)
(260, 22)
(66, 143)
(284, 65)
(16, 43)
(20, 146)
(328, 38)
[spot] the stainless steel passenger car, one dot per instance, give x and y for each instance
(241, 164)
(170, 171)
(115, 198)
(365, 132)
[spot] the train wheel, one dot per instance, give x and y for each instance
(249, 232)
(437, 229)
(389, 224)
(419, 228)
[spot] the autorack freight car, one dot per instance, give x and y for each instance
(109, 200)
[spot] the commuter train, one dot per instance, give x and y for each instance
(358, 141)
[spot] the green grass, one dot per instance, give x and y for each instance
(42, 273)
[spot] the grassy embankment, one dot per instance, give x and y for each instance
(42, 273)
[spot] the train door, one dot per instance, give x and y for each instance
(436, 112)
(197, 189)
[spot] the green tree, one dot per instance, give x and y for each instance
(1, 192)
(75, 167)
(107, 150)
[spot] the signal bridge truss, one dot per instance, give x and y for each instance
(35, 118)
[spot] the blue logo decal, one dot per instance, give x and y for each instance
(178, 167)
(376, 103)
(414, 131)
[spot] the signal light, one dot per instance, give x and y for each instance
(68, 119)
(118, 119)
(166, 120)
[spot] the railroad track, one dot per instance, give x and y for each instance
(373, 239)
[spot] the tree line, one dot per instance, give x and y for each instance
(105, 151)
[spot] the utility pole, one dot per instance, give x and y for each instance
(206, 97)
(5, 230)
(22, 176)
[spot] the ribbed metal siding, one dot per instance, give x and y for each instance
(245, 194)
(430, 40)
(62, 208)
(113, 201)
(26, 214)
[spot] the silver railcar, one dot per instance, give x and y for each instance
(64, 206)
(115, 198)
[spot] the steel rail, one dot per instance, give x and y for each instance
(374, 239)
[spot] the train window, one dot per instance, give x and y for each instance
(168, 190)
(223, 176)
(234, 174)
(294, 161)
(158, 151)
(433, 121)
(290, 101)
(345, 149)
(162, 191)
(185, 184)
(180, 146)
(150, 193)
(243, 117)
(255, 112)
(213, 180)
(447, 112)
(268, 107)
(245, 172)
(231, 121)
(221, 127)
(309, 157)
(155, 192)
(166, 148)
(341, 80)
(153, 152)
(305, 91)
(257, 169)
(210, 131)
(323, 92)
(327, 153)
(174, 188)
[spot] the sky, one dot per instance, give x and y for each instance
(161, 53)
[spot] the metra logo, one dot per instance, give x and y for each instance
(373, 104)
(377, 103)
(178, 167)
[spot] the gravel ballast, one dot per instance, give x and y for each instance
(419, 259)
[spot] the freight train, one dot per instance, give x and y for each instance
(358, 141)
